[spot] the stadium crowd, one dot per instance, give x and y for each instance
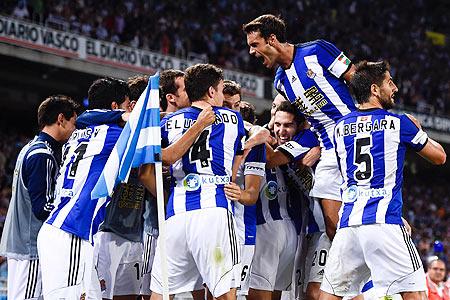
(398, 34)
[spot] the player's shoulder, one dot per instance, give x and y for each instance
(314, 44)
(187, 110)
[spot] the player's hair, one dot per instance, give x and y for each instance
(286, 106)
(199, 78)
(267, 25)
(104, 91)
(137, 85)
(247, 111)
(366, 74)
(231, 88)
(51, 107)
(167, 85)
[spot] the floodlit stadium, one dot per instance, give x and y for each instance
(309, 58)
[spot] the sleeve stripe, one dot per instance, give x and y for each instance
(287, 153)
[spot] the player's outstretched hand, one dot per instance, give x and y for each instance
(233, 191)
(414, 120)
(206, 117)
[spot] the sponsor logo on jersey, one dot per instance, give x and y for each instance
(353, 193)
(192, 182)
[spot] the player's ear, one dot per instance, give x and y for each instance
(114, 105)
(211, 92)
(170, 99)
(272, 39)
(60, 119)
(374, 89)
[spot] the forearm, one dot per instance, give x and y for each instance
(249, 196)
(175, 151)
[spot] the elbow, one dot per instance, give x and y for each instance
(440, 159)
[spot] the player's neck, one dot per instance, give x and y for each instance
(201, 104)
(372, 103)
(286, 55)
(52, 130)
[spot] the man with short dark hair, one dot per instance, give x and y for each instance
(371, 240)
(198, 196)
(33, 195)
(310, 75)
(172, 91)
(232, 94)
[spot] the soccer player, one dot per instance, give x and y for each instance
(246, 189)
(32, 195)
(198, 198)
(311, 76)
(276, 236)
(64, 241)
(371, 239)
(275, 103)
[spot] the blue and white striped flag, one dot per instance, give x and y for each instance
(139, 143)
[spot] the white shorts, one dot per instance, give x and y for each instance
(327, 178)
(119, 264)
(150, 242)
(383, 251)
(24, 279)
(273, 263)
(67, 264)
(247, 252)
(298, 278)
(317, 255)
(202, 247)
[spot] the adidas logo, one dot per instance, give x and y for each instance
(320, 272)
(293, 79)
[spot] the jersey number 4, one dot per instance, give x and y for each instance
(201, 151)
(363, 159)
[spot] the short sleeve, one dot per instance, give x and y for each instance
(331, 58)
(301, 143)
(411, 135)
(255, 162)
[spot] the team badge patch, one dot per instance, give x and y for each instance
(270, 190)
(191, 182)
(310, 73)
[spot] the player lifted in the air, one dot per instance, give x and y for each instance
(311, 76)
(371, 239)
(197, 206)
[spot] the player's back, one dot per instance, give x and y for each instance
(198, 178)
(371, 146)
(314, 85)
(84, 157)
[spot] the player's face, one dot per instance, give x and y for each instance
(181, 97)
(126, 105)
(232, 102)
(436, 271)
(260, 48)
(387, 92)
(284, 127)
(276, 102)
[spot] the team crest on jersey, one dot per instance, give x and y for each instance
(270, 190)
(310, 73)
(191, 182)
(350, 194)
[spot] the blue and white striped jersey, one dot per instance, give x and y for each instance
(84, 157)
(273, 202)
(371, 146)
(245, 215)
(198, 178)
(314, 84)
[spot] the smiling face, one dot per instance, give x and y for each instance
(285, 127)
(262, 48)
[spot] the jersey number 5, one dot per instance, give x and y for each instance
(201, 151)
(363, 159)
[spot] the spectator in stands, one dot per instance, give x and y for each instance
(436, 287)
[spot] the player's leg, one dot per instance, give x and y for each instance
(150, 242)
(63, 259)
(24, 279)
(216, 258)
(393, 260)
(330, 210)
(346, 270)
(246, 266)
(316, 259)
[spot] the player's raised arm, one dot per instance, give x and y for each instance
(175, 151)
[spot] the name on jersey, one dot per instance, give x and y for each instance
(84, 133)
(365, 126)
(315, 99)
(187, 123)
